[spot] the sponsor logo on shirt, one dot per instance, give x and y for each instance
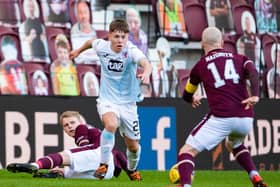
(115, 65)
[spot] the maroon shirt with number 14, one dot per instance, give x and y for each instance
(224, 76)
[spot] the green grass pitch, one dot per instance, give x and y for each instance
(151, 179)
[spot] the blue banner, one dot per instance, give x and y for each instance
(158, 137)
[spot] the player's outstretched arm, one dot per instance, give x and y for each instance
(145, 76)
(253, 77)
(73, 54)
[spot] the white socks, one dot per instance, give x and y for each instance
(133, 159)
(107, 143)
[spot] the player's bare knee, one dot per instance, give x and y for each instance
(111, 127)
(188, 149)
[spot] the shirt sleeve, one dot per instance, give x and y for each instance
(136, 54)
(253, 76)
(81, 135)
(98, 44)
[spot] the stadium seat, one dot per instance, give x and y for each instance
(9, 14)
(56, 18)
(37, 11)
(32, 32)
(278, 15)
(13, 78)
(34, 72)
(72, 11)
(132, 1)
(102, 34)
(251, 48)
(171, 36)
(194, 10)
(230, 42)
(183, 75)
(214, 18)
(238, 8)
(155, 16)
(88, 76)
(267, 41)
(250, 2)
(13, 33)
(52, 32)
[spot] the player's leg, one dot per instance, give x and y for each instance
(234, 144)
(79, 164)
(109, 115)
(107, 141)
(22, 167)
(46, 162)
(133, 152)
(120, 162)
(52, 160)
(206, 135)
(130, 131)
(186, 164)
(243, 157)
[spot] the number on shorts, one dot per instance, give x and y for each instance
(135, 128)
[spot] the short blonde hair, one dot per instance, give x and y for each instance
(212, 36)
(68, 114)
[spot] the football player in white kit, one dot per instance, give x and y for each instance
(119, 92)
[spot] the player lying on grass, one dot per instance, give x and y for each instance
(82, 161)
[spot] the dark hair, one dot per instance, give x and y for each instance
(7, 39)
(119, 25)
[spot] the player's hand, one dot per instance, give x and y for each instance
(73, 54)
(144, 77)
(196, 100)
(57, 169)
(250, 102)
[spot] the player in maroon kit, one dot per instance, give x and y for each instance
(82, 161)
(224, 76)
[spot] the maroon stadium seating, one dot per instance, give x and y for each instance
(267, 41)
(183, 75)
(238, 7)
(195, 18)
(82, 69)
(30, 69)
(22, 14)
(72, 6)
(8, 13)
(14, 34)
(51, 33)
(230, 42)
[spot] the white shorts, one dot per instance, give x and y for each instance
(127, 115)
(84, 163)
(213, 130)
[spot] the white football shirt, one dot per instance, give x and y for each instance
(118, 83)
